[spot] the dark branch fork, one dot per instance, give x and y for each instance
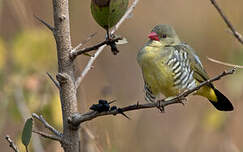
(231, 27)
(85, 41)
(77, 118)
(75, 53)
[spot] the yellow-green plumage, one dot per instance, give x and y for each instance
(170, 67)
(155, 73)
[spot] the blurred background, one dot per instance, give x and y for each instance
(27, 52)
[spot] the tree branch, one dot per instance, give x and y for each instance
(53, 80)
(77, 118)
(45, 135)
(47, 125)
(11, 143)
(67, 89)
(74, 54)
(225, 63)
(83, 42)
(94, 57)
(44, 23)
(236, 34)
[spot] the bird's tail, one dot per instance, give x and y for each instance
(221, 103)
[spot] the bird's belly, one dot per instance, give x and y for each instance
(159, 78)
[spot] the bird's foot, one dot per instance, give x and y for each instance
(182, 100)
(176, 99)
(160, 106)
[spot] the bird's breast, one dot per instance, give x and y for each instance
(156, 73)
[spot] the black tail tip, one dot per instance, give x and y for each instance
(223, 104)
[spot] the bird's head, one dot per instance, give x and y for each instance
(165, 34)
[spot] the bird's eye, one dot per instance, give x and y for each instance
(164, 36)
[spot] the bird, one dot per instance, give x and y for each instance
(170, 67)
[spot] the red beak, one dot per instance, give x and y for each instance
(153, 36)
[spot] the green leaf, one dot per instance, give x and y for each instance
(27, 132)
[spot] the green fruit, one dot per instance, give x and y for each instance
(108, 12)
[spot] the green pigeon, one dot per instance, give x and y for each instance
(171, 67)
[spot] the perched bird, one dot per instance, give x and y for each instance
(170, 67)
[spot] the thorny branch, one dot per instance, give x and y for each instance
(47, 125)
(76, 119)
(93, 58)
(11, 143)
(231, 27)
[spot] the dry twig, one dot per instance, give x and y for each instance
(47, 125)
(236, 34)
(225, 63)
(76, 119)
(45, 135)
(11, 143)
(83, 42)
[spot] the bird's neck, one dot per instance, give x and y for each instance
(153, 43)
(176, 41)
(173, 42)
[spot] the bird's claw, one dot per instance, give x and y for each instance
(160, 107)
(181, 100)
(178, 99)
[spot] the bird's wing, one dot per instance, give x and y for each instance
(149, 96)
(199, 73)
